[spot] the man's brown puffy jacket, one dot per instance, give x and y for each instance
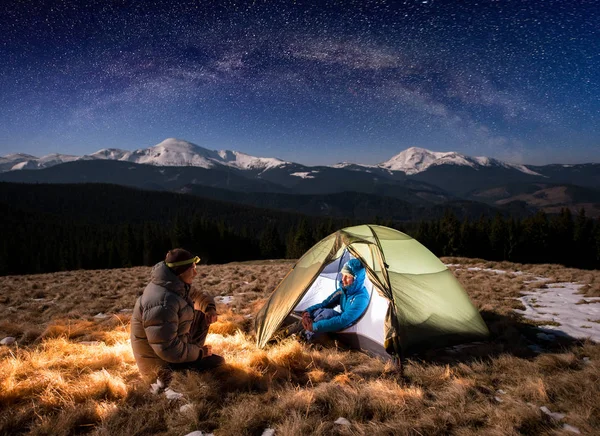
(164, 325)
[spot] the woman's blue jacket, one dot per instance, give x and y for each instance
(353, 301)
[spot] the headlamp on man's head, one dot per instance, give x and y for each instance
(196, 259)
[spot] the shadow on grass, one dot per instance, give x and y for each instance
(508, 335)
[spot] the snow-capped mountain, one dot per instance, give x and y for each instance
(451, 172)
(109, 154)
(180, 153)
(247, 162)
(27, 162)
(415, 160)
(174, 152)
(171, 152)
(10, 160)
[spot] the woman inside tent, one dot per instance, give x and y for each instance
(352, 298)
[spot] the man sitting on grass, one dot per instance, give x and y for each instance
(351, 296)
(168, 329)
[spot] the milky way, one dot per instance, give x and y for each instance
(312, 82)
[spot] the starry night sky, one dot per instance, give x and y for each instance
(311, 82)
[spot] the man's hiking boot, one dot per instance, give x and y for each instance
(294, 328)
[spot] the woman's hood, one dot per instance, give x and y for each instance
(359, 272)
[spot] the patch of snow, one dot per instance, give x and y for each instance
(458, 266)
(570, 428)
(495, 271)
(553, 415)
(126, 310)
(358, 167)
(341, 421)
(498, 399)
(156, 387)
(101, 316)
(536, 280)
(9, 340)
(558, 303)
(268, 432)
(501, 392)
(172, 395)
(304, 175)
(196, 433)
(225, 299)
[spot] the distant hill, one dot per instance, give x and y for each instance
(416, 179)
(543, 196)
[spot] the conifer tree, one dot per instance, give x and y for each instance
(482, 232)
(301, 242)
(535, 238)
(498, 238)
(512, 244)
(468, 240)
(583, 241)
(562, 229)
(450, 234)
(270, 244)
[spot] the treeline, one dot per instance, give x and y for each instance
(564, 239)
(50, 228)
(63, 227)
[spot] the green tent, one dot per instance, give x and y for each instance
(416, 302)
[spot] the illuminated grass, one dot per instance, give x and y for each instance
(71, 372)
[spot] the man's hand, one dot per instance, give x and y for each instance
(211, 316)
(305, 315)
(206, 351)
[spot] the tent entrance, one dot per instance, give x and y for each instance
(367, 334)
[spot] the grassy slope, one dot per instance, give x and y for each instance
(72, 372)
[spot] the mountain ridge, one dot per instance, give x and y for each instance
(178, 152)
(416, 175)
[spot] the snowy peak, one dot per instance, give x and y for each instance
(173, 152)
(17, 156)
(247, 162)
(415, 160)
(108, 154)
(176, 152)
(27, 162)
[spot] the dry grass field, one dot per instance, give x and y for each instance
(72, 371)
